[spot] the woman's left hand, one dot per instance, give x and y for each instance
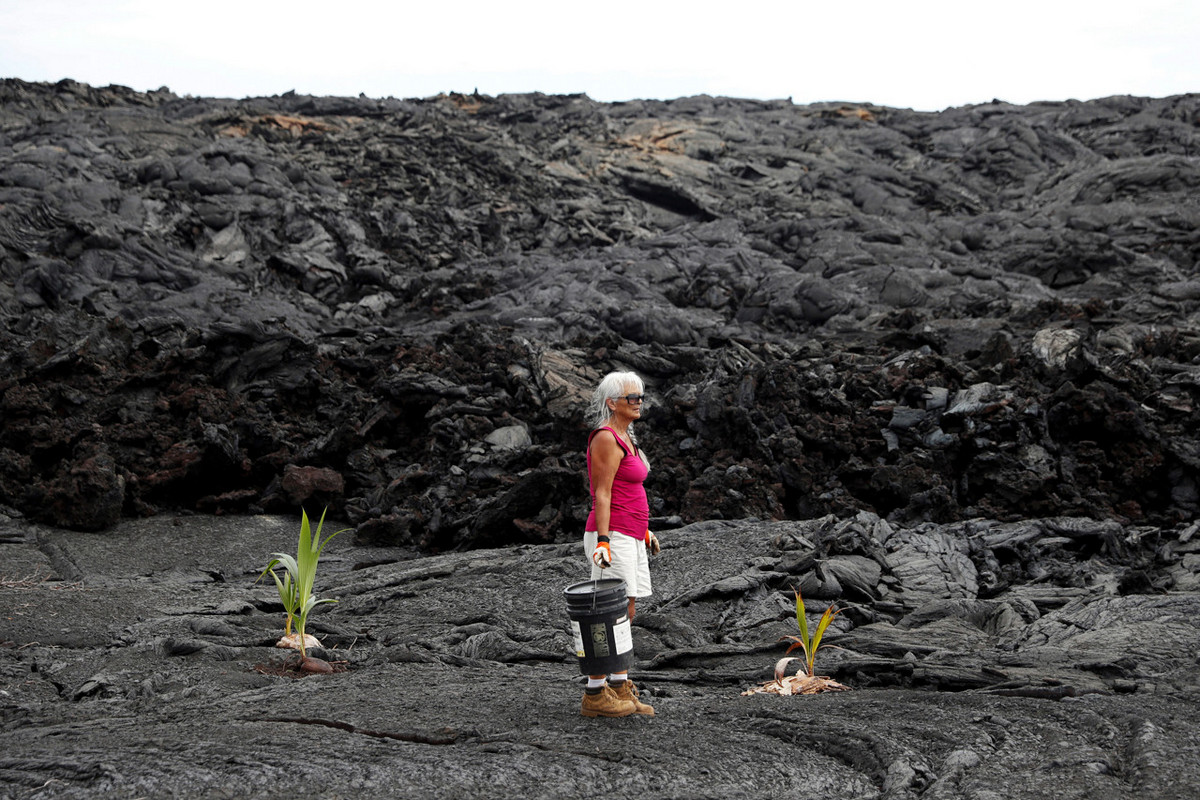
(602, 555)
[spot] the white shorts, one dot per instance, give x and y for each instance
(630, 562)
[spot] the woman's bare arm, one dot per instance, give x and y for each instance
(606, 457)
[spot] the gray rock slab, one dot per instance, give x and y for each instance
(153, 673)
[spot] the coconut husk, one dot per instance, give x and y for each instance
(798, 684)
(292, 641)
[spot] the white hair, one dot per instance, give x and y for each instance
(610, 387)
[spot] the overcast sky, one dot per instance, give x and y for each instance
(922, 55)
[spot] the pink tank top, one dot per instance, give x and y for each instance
(630, 513)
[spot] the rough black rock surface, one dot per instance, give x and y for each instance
(140, 663)
(939, 369)
(396, 307)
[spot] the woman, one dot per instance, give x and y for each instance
(618, 538)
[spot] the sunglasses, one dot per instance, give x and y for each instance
(632, 399)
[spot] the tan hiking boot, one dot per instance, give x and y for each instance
(625, 690)
(605, 703)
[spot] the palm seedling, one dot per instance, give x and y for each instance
(809, 644)
(807, 682)
(299, 572)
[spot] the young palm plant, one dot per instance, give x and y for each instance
(809, 644)
(807, 682)
(299, 573)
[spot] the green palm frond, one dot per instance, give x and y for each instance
(809, 644)
(299, 575)
(308, 553)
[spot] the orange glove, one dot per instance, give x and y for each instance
(652, 544)
(602, 555)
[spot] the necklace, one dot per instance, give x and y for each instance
(623, 435)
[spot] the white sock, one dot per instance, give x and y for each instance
(596, 683)
(618, 677)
